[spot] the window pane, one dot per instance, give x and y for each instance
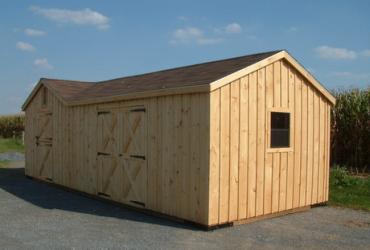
(279, 120)
(280, 129)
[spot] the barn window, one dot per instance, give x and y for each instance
(44, 96)
(280, 130)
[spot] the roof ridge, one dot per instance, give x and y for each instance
(64, 80)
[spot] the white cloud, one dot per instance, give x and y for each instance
(351, 76)
(292, 29)
(366, 53)
(233, 28)
(327, 52)
(341, 74)
(34, 32)
(24, 46)
(43, 63)
(192, 35)
(79, 17)
(198, 36)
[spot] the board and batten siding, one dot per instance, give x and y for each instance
(247, 178)
(207, 155)
(177, 150)
(179, 156)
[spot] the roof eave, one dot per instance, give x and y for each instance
(305, 73)
(144, 94)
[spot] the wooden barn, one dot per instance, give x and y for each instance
(215, 143)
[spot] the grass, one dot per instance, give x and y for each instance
(11, 145)
(349, 191)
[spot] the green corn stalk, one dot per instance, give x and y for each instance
(11, 126)
(351, 129)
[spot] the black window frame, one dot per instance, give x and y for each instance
(280, 129)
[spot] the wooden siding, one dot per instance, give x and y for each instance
(178, 156)
(247, 178)
(177, 145)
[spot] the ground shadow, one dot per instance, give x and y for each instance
(14, 181)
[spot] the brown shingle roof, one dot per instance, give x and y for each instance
(65, 88)
(193, 75)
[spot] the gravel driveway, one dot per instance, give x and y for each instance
(34, 215)
(11, 156)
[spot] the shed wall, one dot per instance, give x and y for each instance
(208, 158)
(177, 146)
(247, 178)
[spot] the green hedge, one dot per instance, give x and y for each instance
(11, 126)
(351, 130)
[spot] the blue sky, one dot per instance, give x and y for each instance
(100, 40)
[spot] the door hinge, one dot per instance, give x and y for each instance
(138, 156)
(101, 153)
(138, 110)
(103, 112)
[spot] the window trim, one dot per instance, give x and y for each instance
(269, 149)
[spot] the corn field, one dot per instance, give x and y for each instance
(350, 119)
(11, 126)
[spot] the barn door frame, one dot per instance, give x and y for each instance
(128, 164)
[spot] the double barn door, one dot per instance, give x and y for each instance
(121, 155)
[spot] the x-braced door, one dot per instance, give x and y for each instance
(108, 169)
(44, 143)
(122, 161)
(133, 156)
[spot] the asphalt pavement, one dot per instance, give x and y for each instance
(34, 215)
